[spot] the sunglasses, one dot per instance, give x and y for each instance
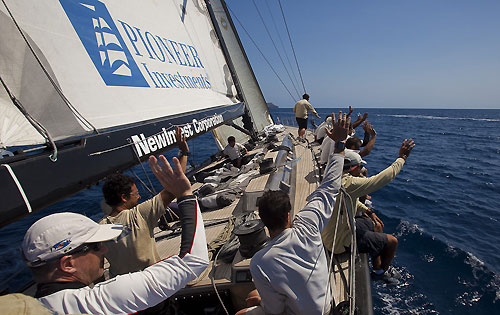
(85, 248)
(82, 249)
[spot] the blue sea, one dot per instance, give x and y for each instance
(444, 207)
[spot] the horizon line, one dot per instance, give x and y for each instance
(469, 108)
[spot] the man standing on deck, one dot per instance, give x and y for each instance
(65, 254)
(290, 271)
(357, 187)
(135, 249)
(301, 109)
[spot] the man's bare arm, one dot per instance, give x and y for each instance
(359, 120)
(371, 143)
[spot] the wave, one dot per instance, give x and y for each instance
(428, 266)
(442, 117)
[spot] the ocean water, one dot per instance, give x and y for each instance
(444, 207)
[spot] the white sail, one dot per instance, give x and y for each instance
(116, 62)
(250, 89)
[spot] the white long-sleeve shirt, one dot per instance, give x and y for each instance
(291, 271)
(137, 291)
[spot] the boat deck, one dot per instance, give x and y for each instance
(306, 181)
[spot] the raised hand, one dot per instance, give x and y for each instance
(181, 140)
(172, 180)
(340, 127)
(350, 111)
(368, 128)
(359, 120)
(406, 148)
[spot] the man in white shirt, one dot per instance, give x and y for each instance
(291, 271)
(234, 150)
(65, 254)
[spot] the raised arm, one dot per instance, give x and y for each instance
(350, 111)
(129, 293)
(166, 196)
(193, 240)
(368, 128)
(360, 186)
(183, 147)
(359, 120)
(321, 202)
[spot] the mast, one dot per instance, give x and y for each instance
(246, 83)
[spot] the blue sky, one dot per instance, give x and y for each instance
(391, 53)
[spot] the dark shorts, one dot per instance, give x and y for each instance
(369, 241)
(302, 122)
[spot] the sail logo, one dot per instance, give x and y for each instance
(148, 145)
(103, 43)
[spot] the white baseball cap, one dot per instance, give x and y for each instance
(352, 158)
(57, 234)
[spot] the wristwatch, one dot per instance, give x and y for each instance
(184, 153)
(339, 146)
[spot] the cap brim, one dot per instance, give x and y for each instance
(106, 232)
(363, 162)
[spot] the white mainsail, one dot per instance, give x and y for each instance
(116, 62)
(104, 82)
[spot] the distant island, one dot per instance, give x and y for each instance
(272, 106)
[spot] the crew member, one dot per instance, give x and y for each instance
(290, 272)
(301, 110)
(66, 255)
(135, 249)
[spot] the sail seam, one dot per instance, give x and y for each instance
(78, 115)
(19, 187)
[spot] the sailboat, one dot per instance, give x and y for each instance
(94, 87)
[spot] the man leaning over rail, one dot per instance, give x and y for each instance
(65, 254)
(290, 272)
(355, 188)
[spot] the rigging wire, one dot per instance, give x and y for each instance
(79, 116)
(260, 51)
(212, 279)
(282, 45)
(276, 48)
(354, 249)
(291, 44)
(341, 199)
(144, 171)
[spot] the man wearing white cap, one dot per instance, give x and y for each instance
(356, 187)
(65, 254)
